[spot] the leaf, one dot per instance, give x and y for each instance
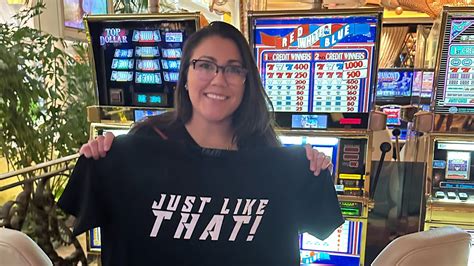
(43, 93)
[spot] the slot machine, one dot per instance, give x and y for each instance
(319, 70)
(136, 60)
(394, 90)
(450, 170)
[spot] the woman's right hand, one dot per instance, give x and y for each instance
(98, 147)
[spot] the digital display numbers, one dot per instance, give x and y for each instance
(150, 99)
(170, 76)
(316, 64)
(148, 65)
(171, 64)
(172, 53)
(148, 78)
(147, 51)
(144, 36)
(122, 76)
(123, 53)
(122, 64)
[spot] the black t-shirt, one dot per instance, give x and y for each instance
(165, 203)
(168, 127)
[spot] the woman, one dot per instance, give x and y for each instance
(163, 203)
(220, 102)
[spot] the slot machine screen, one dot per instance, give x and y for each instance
(137, 59)
(427, 84)
(455, 83)
(393, 85)
(327, 145)
(423, 83)
(140, 115)
(417, 83)
(342, 247)
(453, 166)
(317, 63)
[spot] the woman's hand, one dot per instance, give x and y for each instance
(317, 160)
(98, 147)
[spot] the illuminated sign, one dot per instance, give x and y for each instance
(316, 64)
(305, 36)
(113, 35)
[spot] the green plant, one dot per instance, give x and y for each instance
(44, 92)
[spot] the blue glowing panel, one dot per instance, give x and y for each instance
(173, 37)
(148, 65)
(394, 83)
(148, 78)
(171, 64)
(170, 76)
(171, 53)
(122, 64)
(146, 36)
(147, 51)
(122, 76)
(123, 53)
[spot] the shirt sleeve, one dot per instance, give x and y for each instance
(317, 205)
(81, 196)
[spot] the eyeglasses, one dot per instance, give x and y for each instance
(207, 70)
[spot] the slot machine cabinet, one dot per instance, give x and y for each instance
(135, 60)
(450, 183)
(352, 163)
(319, 71)
(450, 170)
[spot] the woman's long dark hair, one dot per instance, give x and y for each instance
(253, 120)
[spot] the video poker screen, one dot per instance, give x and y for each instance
(320, 63)
(394, 83)
(455, 83)
(454, 161)
(342, 247)
(137, 60)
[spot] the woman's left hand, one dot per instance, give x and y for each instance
(317, 160)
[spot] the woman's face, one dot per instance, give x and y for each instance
(215, 97)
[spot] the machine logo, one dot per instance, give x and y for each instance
(113, 35)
